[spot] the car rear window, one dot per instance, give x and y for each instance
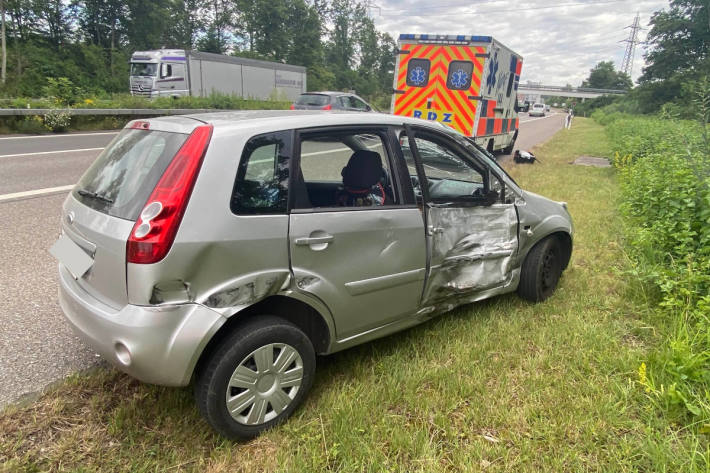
(125, 173)
(313, 99)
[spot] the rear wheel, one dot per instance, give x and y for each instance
(255, 378)
(541, 271)
(489, 148)
(509, 149)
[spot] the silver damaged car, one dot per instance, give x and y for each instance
(229, 249)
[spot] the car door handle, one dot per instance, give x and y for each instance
(306, 241)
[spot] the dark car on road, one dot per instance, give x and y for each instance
(331, 101)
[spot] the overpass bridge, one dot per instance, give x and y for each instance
(559, 91)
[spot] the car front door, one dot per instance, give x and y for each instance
(361, 251)
(471, 226)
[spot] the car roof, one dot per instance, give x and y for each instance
(269, 120)
(326, 92)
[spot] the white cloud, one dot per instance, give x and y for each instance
(560, 41)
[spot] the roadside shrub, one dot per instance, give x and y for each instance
(664, 173)
(30, 124)
(62, 90)
(57, 121)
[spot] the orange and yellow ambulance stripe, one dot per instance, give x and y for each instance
(435, 101)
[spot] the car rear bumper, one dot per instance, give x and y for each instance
(155, 344)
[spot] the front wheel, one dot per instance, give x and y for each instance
(541, 271)
(255, 378)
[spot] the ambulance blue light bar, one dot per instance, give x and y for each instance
(445, 39)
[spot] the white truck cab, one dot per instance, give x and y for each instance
(159, 73)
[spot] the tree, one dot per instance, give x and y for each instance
(679, 40)
(218, 18)
(604, 76)
(3, 66)
(187, 23)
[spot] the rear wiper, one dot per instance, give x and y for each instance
(94, 195)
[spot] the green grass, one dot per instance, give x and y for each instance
(501, 385)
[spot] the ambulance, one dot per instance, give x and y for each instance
(469, 83)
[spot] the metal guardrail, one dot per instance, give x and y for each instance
(558, 88)
(104, 111)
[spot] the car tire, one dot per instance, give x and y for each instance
(541, 271)
(245, 387)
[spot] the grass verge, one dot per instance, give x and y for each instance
(501, 385)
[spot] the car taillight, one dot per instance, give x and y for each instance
(293, 106)
(154, 231)
(328, 107)
(140, 125)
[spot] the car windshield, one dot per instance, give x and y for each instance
(143, 69)
(313, 99)
(537, 105)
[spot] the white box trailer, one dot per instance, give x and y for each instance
(469, 83)
(177, 72)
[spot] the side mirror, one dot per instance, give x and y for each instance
(164, 71)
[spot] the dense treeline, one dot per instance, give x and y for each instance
(90, 42)
(677, 61)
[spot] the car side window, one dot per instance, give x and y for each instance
(261, 186)
(358, 104)
(448, 174)
(344, 102)
(344, 169)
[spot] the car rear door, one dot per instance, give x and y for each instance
(365, 262)
(471, 226)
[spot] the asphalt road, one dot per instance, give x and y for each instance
(36, 345)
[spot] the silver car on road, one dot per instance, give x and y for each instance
(229, 249)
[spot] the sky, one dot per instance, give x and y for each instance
(560, 41)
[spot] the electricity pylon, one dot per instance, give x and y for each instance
(627, 65)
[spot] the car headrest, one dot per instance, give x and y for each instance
(364, 170)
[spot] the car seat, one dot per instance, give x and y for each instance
(362, 177)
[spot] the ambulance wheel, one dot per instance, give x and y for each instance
(489, 148)
(509, 149)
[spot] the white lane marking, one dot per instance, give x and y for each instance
(59, 136)
(314, 153)
(327, 151)
(48, 190)
(49, 152)
(539, 118)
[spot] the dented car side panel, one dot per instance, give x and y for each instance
(221, 260)
(472, 250)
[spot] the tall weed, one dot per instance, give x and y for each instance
(664, 172)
